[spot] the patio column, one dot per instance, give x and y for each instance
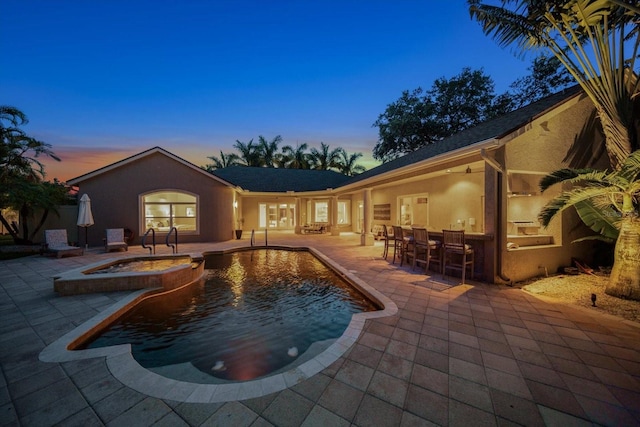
(334, 216)
(298, 228)
(366, 238)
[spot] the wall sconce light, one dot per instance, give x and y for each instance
(235, 204)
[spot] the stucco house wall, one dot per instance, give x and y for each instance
(115, 198)
(563, 138)
(451, 197)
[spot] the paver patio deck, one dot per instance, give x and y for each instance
(472, 354)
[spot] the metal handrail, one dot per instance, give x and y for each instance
(174, 248)
(253, 238)
(153, 234)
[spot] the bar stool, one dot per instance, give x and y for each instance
(398, 244)
(387, 236)
(425, 250)
(455, 253)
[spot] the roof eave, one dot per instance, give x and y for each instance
(475, 148)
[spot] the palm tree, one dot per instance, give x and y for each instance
(296, 158)
(249, 155)
(566, 28)
(269, 151)
(347, 163)
(224, 161)
(611, 209)
(325, 158)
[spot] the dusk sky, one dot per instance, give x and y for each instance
(102, 80)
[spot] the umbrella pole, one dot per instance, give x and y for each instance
(86, 237)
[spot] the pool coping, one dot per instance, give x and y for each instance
(128, 371)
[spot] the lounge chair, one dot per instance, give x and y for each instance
(115, 239)
(56, 241)
(315, 227)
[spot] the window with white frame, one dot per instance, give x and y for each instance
(343, 212)
(414, 209)
(165, 209)
(321, 212)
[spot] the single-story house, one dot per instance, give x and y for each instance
(483, 180)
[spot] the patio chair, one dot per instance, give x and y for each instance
(455, 253)
(115, 240)
(425, 251)
(56, 241)
(387, 236)
(402, 242)
(421, 248)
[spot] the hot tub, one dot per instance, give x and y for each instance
(166, 272)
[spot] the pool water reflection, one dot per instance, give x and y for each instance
(255, 313)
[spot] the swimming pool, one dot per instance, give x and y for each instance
(185, 383)
(256, 312)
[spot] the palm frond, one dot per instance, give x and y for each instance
(570, 198)
(594, 237)
(507, 26)
(552, 208)
(572, 176)
(602, 221)
(630, 168)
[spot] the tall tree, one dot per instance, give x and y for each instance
(420, 118)
(347, 164)
(224, 161)
(325, 158)
(463, 101)
(296, 157)
(269, 151)
(249, 154)
(19, 153)
(405, 126)
(22, 185)
(597, 41)
(547, 76)
(29, 197)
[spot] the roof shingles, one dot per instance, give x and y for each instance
(280, 180)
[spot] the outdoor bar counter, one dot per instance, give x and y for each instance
(482, 244)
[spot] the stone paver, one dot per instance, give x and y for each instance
(471, 354)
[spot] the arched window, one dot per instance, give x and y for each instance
(165, 209)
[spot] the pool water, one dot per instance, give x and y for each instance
(255, 313)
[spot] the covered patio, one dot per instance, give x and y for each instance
(470, 354)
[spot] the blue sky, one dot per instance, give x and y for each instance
(101, 80)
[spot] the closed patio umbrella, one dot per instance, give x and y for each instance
(85, 217)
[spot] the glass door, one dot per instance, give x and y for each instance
(276, 215)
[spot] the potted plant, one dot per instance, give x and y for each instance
(239, 228)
